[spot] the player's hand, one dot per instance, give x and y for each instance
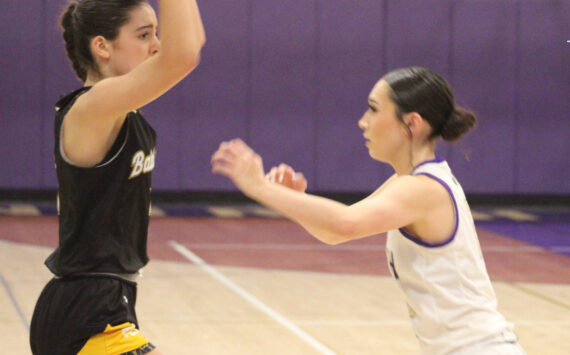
(286, 176)
(237, 161)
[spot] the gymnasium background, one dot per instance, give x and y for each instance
(292, 77)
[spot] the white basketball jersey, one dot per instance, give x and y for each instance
(448, 292)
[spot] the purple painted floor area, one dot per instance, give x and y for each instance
(551, 231)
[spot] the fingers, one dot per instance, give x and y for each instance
(299, 182)
(231, 155)
(221, 169)
(284, 175)
(280, 174)
(271, 175)
(230, 150)
(299, 177)
(222, 159)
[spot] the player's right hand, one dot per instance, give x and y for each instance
(285, 175)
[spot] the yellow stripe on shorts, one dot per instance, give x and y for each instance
(115, 340)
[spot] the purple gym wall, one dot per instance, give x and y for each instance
(292, 79)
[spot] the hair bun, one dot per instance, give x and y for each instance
(459, 122)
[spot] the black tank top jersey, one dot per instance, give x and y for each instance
(104, 210)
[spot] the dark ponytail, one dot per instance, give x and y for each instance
(424, 91)
(82, 21)
(67, 24)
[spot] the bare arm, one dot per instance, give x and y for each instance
(392, 206)
(99, 113)
(378, 190)
(333, 222)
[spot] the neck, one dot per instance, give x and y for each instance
(90, 81)
(415, 155)
(93, 78)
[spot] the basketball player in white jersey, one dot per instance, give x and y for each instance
(432, 246)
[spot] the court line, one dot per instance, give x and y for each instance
(406, 323)
(538, 294)
(321, 348)
(346, 247)
(17, 209)
(14, 302)
(284, 246)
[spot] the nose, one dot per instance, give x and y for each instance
(362, 124)
(155, 46)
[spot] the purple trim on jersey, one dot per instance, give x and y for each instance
(435, 160)
(450, 239)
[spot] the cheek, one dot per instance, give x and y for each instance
(379, 127)
(138, 52)
(133, 56)
(386, 134)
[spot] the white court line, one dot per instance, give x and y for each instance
(481, 216)
(321, 348)
(284, 246)
(157, 212)
(515, 215)
(226, 212)
(17, 209)
(407, 323)
(347, 247)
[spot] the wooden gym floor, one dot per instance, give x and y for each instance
(243, 281)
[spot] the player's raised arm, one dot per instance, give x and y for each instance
(127, 67)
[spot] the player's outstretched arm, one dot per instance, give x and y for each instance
(327, 220)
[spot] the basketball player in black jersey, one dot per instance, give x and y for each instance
(105, 153)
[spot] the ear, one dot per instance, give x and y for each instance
(414, 122)
(100, 47)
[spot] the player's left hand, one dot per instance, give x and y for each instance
(238, 162)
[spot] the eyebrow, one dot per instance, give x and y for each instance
(144, 27)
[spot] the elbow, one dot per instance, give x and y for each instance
(190, 63)
(192, 55)
(185, 60)
(189, 60)
(334, 240)
(342, 231)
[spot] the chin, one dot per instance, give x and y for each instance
(378, 158)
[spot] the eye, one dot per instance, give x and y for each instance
(144, 35)
(372, 108)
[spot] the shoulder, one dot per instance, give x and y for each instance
(411, 184)
(67, 99)
(420, 192)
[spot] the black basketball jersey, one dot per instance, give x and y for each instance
(104, 210)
